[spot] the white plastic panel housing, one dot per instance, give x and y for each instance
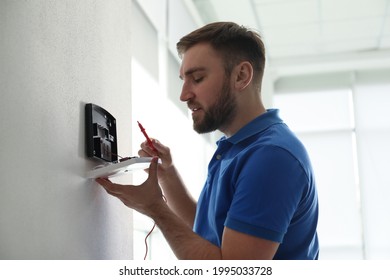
(119, 168)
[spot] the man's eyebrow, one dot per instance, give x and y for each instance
(192, 71)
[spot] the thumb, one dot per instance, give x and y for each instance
(153, 169)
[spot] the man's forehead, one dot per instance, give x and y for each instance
(191, 71)
(197, 58)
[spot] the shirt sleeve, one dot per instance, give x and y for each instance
(268, 190)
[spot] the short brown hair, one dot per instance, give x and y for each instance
(235, 43)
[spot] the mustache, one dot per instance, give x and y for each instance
(193, 104)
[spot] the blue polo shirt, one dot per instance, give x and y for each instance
(260, 182)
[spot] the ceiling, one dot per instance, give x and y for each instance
(311, 30)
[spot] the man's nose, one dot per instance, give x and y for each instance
(186, 93)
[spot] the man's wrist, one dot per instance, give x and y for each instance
(156, 210)
(166, 173)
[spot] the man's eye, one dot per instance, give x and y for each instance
(198, 80)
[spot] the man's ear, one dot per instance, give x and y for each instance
(243, 74)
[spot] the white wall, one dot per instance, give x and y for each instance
(55, 56)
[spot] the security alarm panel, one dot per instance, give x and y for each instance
(101, 144)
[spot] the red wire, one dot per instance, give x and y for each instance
(146, 241)
(150, 232)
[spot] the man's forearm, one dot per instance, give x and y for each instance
(178, 198)
(186, 244)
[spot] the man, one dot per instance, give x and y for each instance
(259, 200)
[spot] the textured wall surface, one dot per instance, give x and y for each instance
(55, 56)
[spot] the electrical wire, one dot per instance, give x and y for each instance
(146, 241)
(149, 233)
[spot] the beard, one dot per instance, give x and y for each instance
(220, 114)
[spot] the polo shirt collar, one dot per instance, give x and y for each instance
(259, 124)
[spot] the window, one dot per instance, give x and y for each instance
(155, 91)
(344, 126)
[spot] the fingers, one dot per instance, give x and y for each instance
(103, 181)
(164, 152)
(142, 153)
(148, 151)
(161, 149)
(111, 188)
(141, 197)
